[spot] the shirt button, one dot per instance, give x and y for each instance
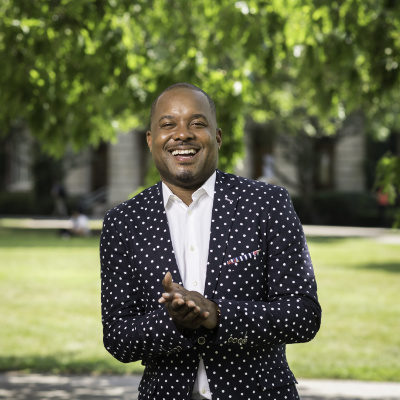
(191, 247)
(201, 340)
(194, 283)
(203, 391)
(190, 212)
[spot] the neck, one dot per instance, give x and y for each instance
(185, 194)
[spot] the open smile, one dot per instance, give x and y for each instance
(189, 153)
(184, 154)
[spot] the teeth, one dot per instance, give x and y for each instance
(182, 152)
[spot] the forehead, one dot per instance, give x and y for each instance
(182, 100)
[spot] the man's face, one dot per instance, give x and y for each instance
(184, 139)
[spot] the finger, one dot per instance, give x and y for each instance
(179, 301)
(177, 305)
(167, 282)
(171, 296)
(165, 297)
(185, 314)
(191, 304)
(192, 316)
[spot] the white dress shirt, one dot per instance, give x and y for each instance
(190, 234)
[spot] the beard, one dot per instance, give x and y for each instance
(184, 176)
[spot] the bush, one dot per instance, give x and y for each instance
(345, 209)
(25, 203)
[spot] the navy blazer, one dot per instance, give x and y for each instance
(259, 272)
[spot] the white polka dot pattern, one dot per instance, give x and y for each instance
(267, 297)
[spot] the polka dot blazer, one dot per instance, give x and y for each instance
(259, 272)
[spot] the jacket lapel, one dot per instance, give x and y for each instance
(223, 215)
(156, 213)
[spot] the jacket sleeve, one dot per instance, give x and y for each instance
(135, 326)
(290, 312)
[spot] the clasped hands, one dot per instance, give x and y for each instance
(188, 309)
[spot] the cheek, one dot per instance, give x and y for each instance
(213, 152)
(159, 142)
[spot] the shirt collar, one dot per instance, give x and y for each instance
(207, 187)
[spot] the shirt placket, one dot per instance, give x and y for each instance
(192, 251)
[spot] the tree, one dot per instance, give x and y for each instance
(77, 71)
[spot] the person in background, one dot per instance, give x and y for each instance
(80, 223)
(382, 200)
(59, 195)
(206, 276)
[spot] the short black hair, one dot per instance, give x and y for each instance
(183, 85)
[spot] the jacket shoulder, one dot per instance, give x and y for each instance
(139, 201)
(246, 184)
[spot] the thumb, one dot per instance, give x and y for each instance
(167, 282)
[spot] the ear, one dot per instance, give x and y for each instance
(149, 139)
(218, 136)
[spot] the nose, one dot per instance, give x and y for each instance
(182, 132)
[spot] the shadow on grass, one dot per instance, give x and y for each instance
(326, 239)
(324, 397)
(67, 364)
(25, 238)
(388, 267)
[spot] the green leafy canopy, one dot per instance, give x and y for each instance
(77, 71)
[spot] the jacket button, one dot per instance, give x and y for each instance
(201, 340)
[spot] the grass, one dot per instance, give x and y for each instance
(358, 282)
(50, 308)
(50, 304)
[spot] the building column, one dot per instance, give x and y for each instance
(124, 162)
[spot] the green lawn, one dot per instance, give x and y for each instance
(50, 308)
(359, 289)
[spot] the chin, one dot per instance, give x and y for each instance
(185, 176)
(188, 179)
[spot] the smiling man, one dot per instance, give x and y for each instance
(206, 276)
(184, 139)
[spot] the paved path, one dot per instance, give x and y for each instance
(96, 224)
(15, 386)
(384, 235)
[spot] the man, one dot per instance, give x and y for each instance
(205, 275)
